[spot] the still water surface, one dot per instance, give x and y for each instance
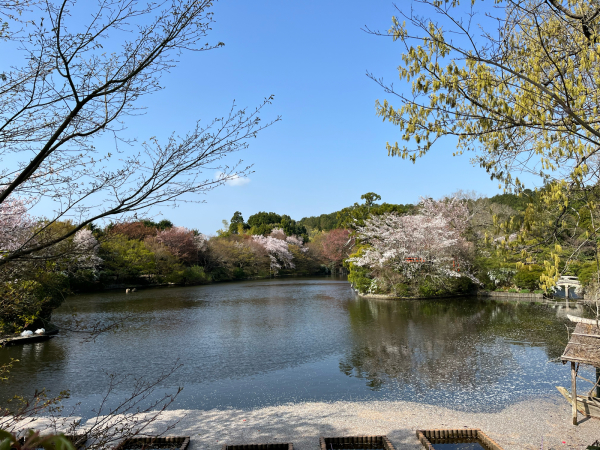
(268, 342)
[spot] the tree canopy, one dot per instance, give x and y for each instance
(353, 215)
(82, 72)
(264, 222)
(517, 84)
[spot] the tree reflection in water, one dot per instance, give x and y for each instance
(457, 344)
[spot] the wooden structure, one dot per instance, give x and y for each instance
(275, 446)
(431, 437)
(356, 442)
(153, 442)
(415, 259)
(31, 339)
(583, 348)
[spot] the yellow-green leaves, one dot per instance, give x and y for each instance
(531, 97)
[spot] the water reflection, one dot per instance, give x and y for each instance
(262, 343)
(444, 351)
(438, 343)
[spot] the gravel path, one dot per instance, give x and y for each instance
(518, 427)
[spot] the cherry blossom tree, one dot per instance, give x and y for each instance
(429, 244)
(16, 225)
(277, 247)
(453, 209)
(181, 242)
(297, 241)
(86, 249)
(336, 246)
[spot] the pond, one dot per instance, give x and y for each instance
(260, 343)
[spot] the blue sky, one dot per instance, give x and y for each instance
(329, 147)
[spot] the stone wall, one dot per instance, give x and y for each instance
(528, 297)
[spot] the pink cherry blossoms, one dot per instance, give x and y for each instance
(277, 247)
(295, 240)
(15, 225)
(452, 209)
(430, 243)
(19, 229)
(86, 249)
(182, 242)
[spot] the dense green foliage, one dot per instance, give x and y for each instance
(354, 215)
(162, 225)
(324, 222)
(517, 202)
(30, 303)
(236, 221)
(263, 223)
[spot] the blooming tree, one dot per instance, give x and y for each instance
(86, 249)
(15, 225)
(277, 247)
(278, 252)
(201, 241)
(336, 246)
(452, 209)
(278, 233)
(297, 241)
(429, 244)
(181, 242)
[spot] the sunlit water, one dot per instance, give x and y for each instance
(460, 446)
(269, 342)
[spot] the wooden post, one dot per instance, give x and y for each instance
(574, 393)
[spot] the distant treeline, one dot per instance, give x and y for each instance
(356, 213)
(145, 252)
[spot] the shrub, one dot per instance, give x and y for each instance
(402, 290)
(487, 282)
(528, 277)
(501, 276)
(359, 277)
(512, 290)
(524, 291)
(28, 303)
(428, 289)
(126, 259)
(196, 275)
(189, 275)
(586, 272)
(461, 285)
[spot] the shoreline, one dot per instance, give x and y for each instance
(520, 426)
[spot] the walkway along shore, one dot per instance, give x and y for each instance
(520, 426)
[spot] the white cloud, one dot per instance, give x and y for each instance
(235, 180)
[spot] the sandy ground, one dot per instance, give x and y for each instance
(520, 426)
